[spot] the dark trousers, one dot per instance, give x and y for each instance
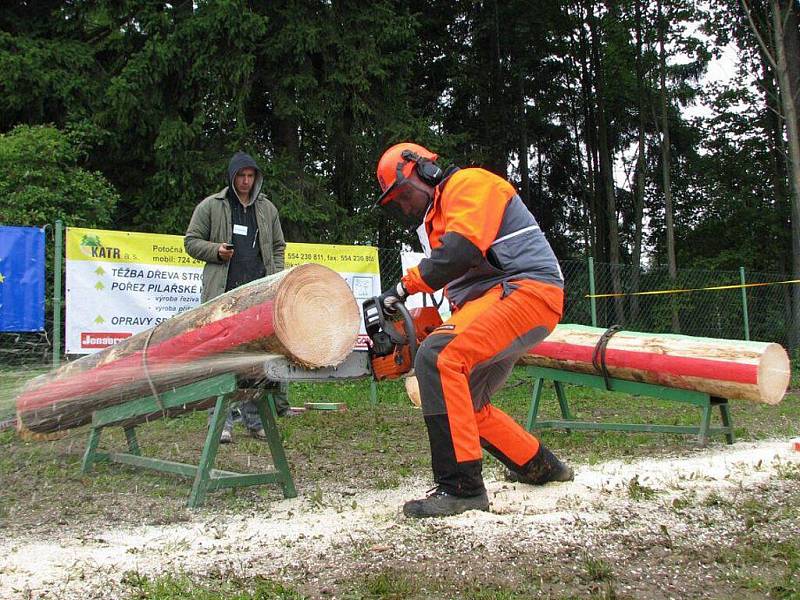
(244, 400)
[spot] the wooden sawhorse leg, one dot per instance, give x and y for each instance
(133, 443)
(276, 446)
(563, 403)
(209, 454)
(725, 417)
(205, 477)
(91, 450)
(533, 413)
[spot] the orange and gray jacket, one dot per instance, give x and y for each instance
(481, 235)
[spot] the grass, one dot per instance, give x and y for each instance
(375, 446)
(764, 566)
(11, 381)
(597, 569)
(333, 454)
(637, 491)
(215, 587)
(384, 585)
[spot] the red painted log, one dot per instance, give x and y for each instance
(307, 313)
(732, 369)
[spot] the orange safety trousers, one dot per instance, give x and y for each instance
(464, 362)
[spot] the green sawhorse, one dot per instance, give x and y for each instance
(206, 478)
(703, 401)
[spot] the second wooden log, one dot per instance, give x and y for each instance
(732, 369)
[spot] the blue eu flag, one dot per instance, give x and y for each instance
(21, 278)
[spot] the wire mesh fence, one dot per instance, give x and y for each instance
(707, 313)
(716, 313)
(688, 307)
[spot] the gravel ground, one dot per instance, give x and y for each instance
(652, 528)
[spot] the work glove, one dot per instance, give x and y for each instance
(392, 296)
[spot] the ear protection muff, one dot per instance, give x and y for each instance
(428, 171)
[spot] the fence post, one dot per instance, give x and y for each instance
(57, 293)
(592, 299)
(744, 305)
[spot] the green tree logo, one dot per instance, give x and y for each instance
(88, 242)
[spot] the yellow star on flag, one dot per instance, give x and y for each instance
(2, 278)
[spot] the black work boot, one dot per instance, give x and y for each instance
(541, 469)
(443, 504)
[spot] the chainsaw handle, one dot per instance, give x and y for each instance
(411, 331)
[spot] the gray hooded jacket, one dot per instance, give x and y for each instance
(211, 226)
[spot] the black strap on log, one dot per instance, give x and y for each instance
(147, 372)
(599, 354)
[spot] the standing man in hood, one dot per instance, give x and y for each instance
(504, 284)
(238, 234)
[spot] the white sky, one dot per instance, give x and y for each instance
(720, 70)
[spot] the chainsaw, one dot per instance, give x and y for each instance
(391, 349)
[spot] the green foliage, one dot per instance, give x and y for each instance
(179, 587)
(157, 96)
(597, 569)
(637, 491)
(44, 80)
(41, 180)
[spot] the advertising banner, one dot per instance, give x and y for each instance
(357, 264)
(120, 283)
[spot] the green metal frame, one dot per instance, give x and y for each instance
(745, 312)
(206, 478)
(703, 401)
(57, 272)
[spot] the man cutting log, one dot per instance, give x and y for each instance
(505, 287)
(237, 233)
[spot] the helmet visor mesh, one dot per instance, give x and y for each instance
(398, 208)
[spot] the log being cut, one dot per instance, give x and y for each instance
(306, 313)
(732, 369)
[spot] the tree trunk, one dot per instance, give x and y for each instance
(490, 101)
(784, 25)
(638, 200)
(732, 369)
(539, 175)
(665, 163)
(607, 175)
(306, 313)
(286, 139)
(521, 124)
(594, 222)
(582, 169)
(782, 197)
(344, 173)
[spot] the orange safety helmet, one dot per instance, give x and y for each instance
(399, 161)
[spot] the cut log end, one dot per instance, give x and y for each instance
(774, 374)
(412, 389)
(27, 435)
(316, 316)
